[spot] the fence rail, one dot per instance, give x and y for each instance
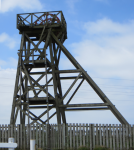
(71, 136)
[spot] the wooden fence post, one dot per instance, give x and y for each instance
(60, 138)
(103, 135)
(43, 135)
(3, 133)
(6, 138)
(21, 145)
(107, 137)
(133, 135)
(91, 128)
(120, 136)
(80, 134)
(127, 137)
(70, 136)
(50, 136)
(117, 140)
(110, 136)
(67, 139)
(12, 133)
(40, 136)
(97, 140)
(100, 133)
(9, 131)
(87, 142)
(73, 136)
(130, 136)
(18, 135)
(63, 136)
(24, 136)
(93, 135)
(0, 134)
(36, 141)
(124, 146)
(47, 136)
(113, 137)
(57, 139)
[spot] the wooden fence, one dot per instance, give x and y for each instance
(71, 136)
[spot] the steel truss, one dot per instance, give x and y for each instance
(36, 42)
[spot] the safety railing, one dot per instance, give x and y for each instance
(42, 18)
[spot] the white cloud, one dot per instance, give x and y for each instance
(11, 63)
(2, 63)
(7, 40)
(9, 5)
(106, 51)
(7, 80)
(71, 5)
(0, 4)
(107, 26)
(3, 37)
(107, 48)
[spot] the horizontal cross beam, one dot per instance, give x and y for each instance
(85, 105)
(82, 109)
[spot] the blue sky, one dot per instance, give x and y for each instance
(100, 36)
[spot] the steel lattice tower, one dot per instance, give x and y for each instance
(44, 33)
